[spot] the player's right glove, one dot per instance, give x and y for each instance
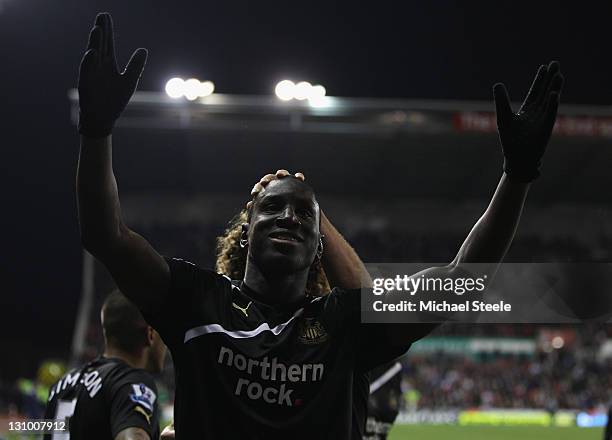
(524, 135)
(103, 91)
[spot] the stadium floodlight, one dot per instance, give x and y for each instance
(316, 92)
(285, 90)
(174, 87)
(302, 90)
(191, 89)
(206, 89)
(316, 97)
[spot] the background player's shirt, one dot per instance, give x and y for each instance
(361, 393)
(248, 370)
(101, 399)
(384, 400)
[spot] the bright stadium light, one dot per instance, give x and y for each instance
(316, 92)
(317, 98)
(191, 89)
(302, 90)
(285, 90)
(206, 89)
(174, 87)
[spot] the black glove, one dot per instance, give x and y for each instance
(103, 91)
(524, 135)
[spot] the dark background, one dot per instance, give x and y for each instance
(433, 49)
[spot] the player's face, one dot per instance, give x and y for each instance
(284, 229)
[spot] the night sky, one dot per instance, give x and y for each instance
(433, 49)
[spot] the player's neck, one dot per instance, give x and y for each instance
(276, 289)
(133, 360)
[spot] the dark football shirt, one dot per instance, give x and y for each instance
(245, 369)
(101, 399)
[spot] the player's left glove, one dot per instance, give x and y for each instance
(524, 135)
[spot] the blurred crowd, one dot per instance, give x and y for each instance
(576, 377)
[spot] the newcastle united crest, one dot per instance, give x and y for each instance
(311, 331)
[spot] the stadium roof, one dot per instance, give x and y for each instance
(335, 115)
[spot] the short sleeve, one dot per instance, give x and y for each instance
(134, 404)
(189, 286)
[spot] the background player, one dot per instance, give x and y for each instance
(263, 360)
(114, 396)
(384, 400)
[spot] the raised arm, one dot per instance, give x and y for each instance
(524, 137)
(139, 271)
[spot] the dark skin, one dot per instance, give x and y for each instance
(283, 236)
(144, 276)
(343, 267)
(150, 356)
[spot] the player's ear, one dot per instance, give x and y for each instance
(150, 336)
